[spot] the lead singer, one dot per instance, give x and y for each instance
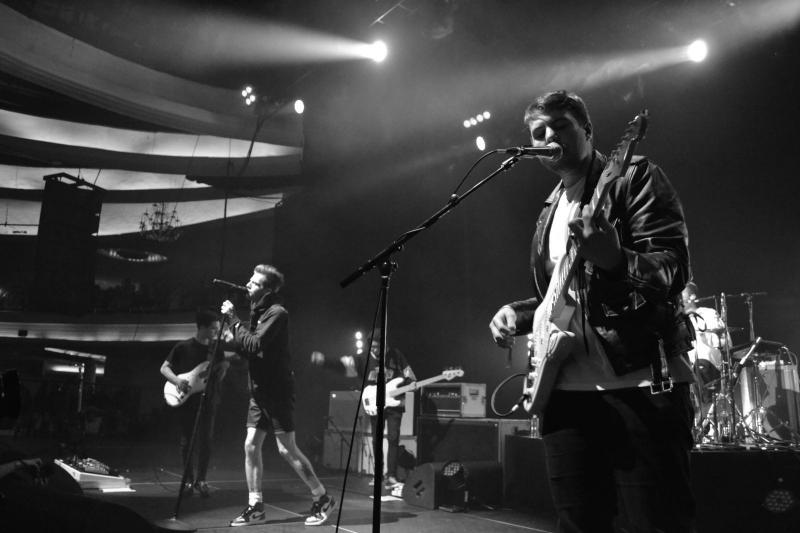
(264, 342)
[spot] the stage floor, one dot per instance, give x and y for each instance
(287, 503)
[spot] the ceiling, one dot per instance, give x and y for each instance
(142, 98)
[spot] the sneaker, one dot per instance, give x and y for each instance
(321, 510)
(188, 489)
(391, 482)
(252, 514)
(202, 488)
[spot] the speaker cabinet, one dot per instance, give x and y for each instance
(427, 486)
(465, 439)
(362, 460)
(65, 246)
(525, 480)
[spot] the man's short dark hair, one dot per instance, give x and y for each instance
(562, 101)
(274, 280)
(205, 317)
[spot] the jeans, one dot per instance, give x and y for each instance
(391, 418)
(618, 460)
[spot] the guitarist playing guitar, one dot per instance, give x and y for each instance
(190, 359)
(397, 366)
(607, 368)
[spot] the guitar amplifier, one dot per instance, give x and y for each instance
(460, 400)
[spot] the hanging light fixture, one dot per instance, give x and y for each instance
(160, 223)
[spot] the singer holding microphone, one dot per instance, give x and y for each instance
(617, 423)
(264, 342)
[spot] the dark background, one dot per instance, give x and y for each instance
(385, 148)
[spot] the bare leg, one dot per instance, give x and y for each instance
(288, 449)
(253, 463)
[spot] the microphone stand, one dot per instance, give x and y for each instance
(383, 261)
(173, 523)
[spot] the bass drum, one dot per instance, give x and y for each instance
(769, 396)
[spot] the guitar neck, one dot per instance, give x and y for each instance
(417, 384)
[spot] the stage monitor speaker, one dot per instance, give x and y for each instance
(465, 439)
(525, 480)
(65, 247)
(427, 486)
(757, 491)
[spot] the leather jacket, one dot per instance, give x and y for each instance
(636, 310)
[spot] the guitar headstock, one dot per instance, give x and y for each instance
(452, 373)
(621, 156)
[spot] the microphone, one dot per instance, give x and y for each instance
(551, 151)
(228, 285)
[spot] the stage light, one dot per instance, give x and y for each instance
(480, 142)
(359, 342)
(697, 51)
(299, 107)
(455, 495)
(473, 121)
(479, 118)
(378, 51)
(487, 115)
(467, 124)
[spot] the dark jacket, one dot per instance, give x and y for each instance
(265, 344)
(632, 309)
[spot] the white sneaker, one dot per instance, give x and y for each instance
(321, 510)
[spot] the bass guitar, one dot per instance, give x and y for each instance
(393, 390)
(197, 378)
(550, 341)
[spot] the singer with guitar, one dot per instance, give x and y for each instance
(186, 371)
(608, 372)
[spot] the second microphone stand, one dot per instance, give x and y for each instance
(383, 261)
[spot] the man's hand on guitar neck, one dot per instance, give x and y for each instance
(597, 241)
(504, 326)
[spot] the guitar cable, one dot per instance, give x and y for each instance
(502, 384)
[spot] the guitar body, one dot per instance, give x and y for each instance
(551, 341)
(368, 399)
(197, 378)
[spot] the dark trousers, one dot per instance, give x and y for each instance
(619, 460)
(187, 414)
(391, 417)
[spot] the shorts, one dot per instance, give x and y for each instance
(266, 414)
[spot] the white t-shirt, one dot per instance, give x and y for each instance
(708, 329)
(591, 370)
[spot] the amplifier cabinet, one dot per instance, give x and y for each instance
(465, 439)
(336, 447)
(461, 400)
(342, 408)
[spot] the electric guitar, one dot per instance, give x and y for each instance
(551, 342)
(197, 378)
(393, 389)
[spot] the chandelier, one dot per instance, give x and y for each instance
(160, 223)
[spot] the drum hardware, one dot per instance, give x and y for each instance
(758, 399)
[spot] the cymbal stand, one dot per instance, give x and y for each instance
(724, 408)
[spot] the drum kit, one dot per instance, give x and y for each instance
(746, 394)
